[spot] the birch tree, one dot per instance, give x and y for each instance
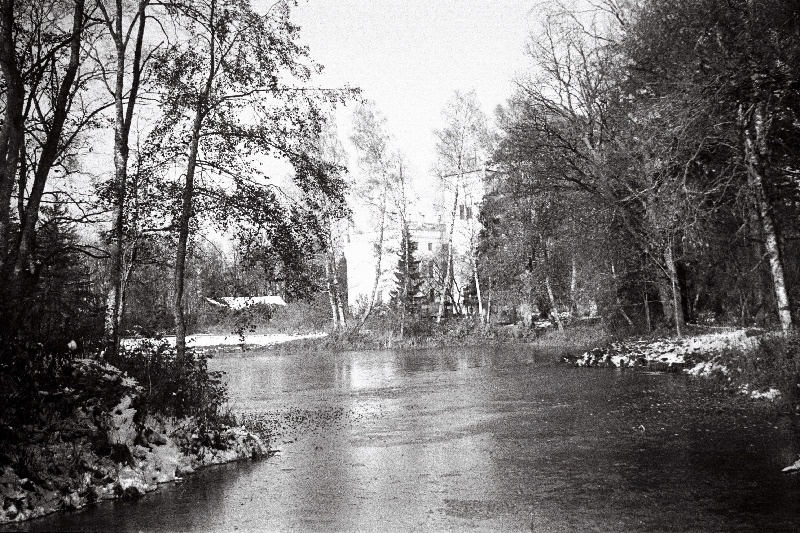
(461, 147)
(332, 215)
(377, 162)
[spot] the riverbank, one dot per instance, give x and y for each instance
(753, 362)
(465, 439)
(82, 436)
(456, 333)
(761, 365)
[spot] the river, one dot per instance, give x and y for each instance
(477, 439)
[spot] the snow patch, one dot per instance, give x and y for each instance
(770, 394)
(794, 467)
(207, 341)
(707, 368)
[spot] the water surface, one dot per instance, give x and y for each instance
(482, 439)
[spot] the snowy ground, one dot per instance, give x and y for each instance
(695, 355)
(208, 341)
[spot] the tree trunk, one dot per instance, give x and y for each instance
(448, 280)
(114, 300)
(617, 299)
(337, 309)
(489, 304)
(573, 288)
(183, 234)
(339, 300)
(331, 294)
(122, 122)
(553, 307)
(379, 251)
(188, 193)
(478, 291)
(674, 290)
(548, 286)
(755, 144)
(11, 131)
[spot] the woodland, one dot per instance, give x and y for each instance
(646, 167)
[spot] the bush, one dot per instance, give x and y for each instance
(224, 321)
(171, 387)
(47, 396)
(301, 316)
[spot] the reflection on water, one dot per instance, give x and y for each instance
(478, 439)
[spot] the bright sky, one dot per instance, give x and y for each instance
(409, 56)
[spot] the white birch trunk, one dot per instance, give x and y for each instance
(449, 265)
(553, 306)
(755, 144)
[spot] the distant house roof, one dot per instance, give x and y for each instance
(240, 302)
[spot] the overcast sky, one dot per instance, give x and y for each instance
(409, 56)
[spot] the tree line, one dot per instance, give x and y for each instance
(648, 164)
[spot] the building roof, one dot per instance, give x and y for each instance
(240, 302)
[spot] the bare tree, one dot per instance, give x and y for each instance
(126, 28)
(377, 162)
(461, 146)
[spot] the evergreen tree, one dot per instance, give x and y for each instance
(406, 298)
(62, 306)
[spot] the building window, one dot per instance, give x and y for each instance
(461, 211)
(444, 247)
(469, 212)
(430, 246)
(414, 245)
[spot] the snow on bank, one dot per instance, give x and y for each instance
(98, 450)
(208, 341)
(794, 467)
(696, 356)
(667, 354)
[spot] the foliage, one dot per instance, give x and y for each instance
(61, 303)
(41, 390)
(172, 386)
(234, 87)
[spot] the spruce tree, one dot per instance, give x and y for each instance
(406, 297)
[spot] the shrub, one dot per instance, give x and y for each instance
(171, 387)
(303, 316)
(41, 392)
